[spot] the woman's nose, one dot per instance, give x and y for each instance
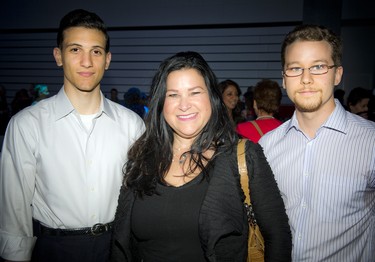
(185, 103)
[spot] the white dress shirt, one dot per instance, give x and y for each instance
(328, 186)
(55, 170)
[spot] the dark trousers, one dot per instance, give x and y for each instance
(82, 248)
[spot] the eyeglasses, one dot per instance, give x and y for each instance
(314, 70)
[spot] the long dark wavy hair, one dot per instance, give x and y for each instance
(151, 155)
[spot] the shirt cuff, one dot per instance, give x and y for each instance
(18, 248)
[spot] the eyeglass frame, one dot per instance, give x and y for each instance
(303, 70)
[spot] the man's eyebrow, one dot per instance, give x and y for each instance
(93, 47)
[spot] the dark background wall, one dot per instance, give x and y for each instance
(239, 38)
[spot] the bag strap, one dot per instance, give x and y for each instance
(255, 124)
(242, 168)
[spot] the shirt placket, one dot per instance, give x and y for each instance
(304, 205)
(93, 194)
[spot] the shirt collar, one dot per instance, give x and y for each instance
(336, 121)
(64, 107)
(106, 107)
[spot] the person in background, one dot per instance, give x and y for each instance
(4, 110)
(186, 203)
(133, 101)
(145, 101)
(114, 95)
(358, 100)
(231, 92)
(339, 94)
(371, 106)
(60, 169)
(267, 98)
(324, 156)
(41, 92)
(20, 101)
(248, 112)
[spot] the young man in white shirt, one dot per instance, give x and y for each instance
(62, 159)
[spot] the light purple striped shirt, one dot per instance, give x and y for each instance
(328, 186)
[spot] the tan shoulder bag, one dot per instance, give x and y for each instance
(256, 241)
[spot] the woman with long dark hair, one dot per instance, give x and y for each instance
(181, 199)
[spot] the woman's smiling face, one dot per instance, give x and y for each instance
(187, 106)
(230, 97)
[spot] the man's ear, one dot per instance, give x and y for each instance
(338, 75)
(108, 60)
(57, 55)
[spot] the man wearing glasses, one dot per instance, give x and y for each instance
(323, 158)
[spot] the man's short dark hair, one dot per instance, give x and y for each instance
(81, 18)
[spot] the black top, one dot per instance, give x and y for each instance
(222, 227)
(169, 231)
